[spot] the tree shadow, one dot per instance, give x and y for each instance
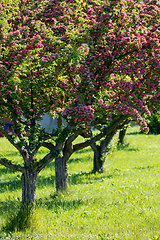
(129, 149)
(132, 149)
(9, 205)
(79, 159)
(45, 181)
(10, 185)
(13, 154)
(147, 167)
(16, 183)
(59, 203)
(88, 177)
(134, 133)
(126, 148)
(6, 170)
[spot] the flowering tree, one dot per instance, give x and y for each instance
(120, 74)
(37, 69)
(94, 63)
(31, 67)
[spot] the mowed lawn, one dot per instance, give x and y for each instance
(121, 203)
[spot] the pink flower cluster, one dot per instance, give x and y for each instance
(82, 114)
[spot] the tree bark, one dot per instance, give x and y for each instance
(59, 121)
(61, 171)
(121, 136)
(29, 182)
(97, 160)
(100, 153)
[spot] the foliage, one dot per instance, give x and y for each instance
(121, 203)
(153, 123)
(91, 58)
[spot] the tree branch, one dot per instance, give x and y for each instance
(5, 162)
(48, 158)
(47, 145)
(129, 52)
(11, 140)
(105, 132)
(74, 136)
(14, 118)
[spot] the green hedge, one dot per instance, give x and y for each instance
(153, 122)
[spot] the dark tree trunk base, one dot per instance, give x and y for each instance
(97, 161)
(121, 136)
(24, 218)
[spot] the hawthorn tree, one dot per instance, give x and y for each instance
(96, 64)
(120, 74)
(37, 69)
(29, 89)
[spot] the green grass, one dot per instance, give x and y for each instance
(121, 203)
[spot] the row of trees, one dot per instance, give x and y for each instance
(94, 63)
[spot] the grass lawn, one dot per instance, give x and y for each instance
(121, 203)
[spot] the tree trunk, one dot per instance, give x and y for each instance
(100, 153)
(121, 136)
(59, 121)
(61, 171)
(29, 182)
(97, 160)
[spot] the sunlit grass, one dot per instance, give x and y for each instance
(121, 203)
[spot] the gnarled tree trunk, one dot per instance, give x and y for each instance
(29, 182)
(61, 171)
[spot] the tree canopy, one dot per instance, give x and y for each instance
(96, 63)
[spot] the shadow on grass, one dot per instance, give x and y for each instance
(10, 185)
(79, 159)
(5, 170)
(16, 183)
(129, 149)
(90, 177)
(76, 178)
(60, 203)
(9, 205)
(45, 181)
(9, 209)
(147, 167)
(134, 133)
(19, 220)
(126, 148)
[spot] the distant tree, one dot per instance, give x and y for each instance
(32, 59)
